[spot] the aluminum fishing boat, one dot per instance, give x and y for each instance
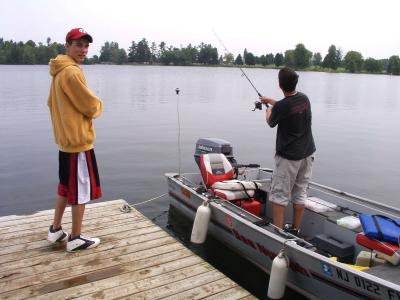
(331, 258)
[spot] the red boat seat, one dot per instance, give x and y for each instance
(387, 251)
(233, 195)
(215, 167)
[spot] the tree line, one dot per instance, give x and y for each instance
(143, 52)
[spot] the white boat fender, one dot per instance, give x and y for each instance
(278, 276)
(200, 224)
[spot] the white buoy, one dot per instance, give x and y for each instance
(200, 224)
(278, 276)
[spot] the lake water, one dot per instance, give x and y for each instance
(355, 124)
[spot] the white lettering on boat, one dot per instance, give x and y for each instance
(294, 266)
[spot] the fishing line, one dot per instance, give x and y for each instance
(243, 72)
(257, 103)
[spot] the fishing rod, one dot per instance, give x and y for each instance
(257, 104)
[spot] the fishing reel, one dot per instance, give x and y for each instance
(258, 105)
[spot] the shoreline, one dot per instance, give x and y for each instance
(271, 67)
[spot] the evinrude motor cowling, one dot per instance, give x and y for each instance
(214, 145)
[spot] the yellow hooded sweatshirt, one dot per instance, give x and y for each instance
(72, 106)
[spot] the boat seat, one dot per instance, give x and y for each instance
(387, 251)
(215, 167)
(217, 173)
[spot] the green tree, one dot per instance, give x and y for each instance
(278, 60)
(57, 48)
(167, 57)
(153, 52)
(12, 52)
(174, 56)
(2, 52)
(28, 55)
(250, 59)
(394, 65)
(373, 66)
(301, 56)
(316, 59)
(41, 54)
(190, 54)
(208, 54)
(162, 47)
(143, 51)
(269, 59)
(105, 52)
(30, 43)
(384, 62)
(263, 60)
(52, 50)
(239, 60)
(119, 57)
(111, 53)
(93, 60)
(289, 58)
(353, 61)
(228, 58)
(132, 52)
(333, 58)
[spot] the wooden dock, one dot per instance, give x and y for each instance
(136, 259)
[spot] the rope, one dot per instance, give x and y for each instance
(152, 199)
(126, 208)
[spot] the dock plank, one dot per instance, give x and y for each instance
(140, 236)
(7, 221)
(42, 243)
(158, 267)
(208, 290)
(233, 293)
(161, 286)
(93, 217)
(36, 234)
(135, 260)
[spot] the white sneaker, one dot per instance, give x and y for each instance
(54, 236)
(82, 242)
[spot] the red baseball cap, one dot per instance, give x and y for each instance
(78, 33)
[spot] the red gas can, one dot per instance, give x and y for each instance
(251, 205)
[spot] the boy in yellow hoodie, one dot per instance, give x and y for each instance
(72, 108)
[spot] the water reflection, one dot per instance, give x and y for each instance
(354, 117)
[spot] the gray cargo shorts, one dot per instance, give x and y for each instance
(290, 180)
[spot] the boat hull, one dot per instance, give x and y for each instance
(310, 273)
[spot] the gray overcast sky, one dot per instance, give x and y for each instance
(262, 26)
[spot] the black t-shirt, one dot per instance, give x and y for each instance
(294, 139)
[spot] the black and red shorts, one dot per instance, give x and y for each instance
(79, 177)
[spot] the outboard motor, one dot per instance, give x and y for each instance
(214, 145)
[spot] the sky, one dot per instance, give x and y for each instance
(370, 27)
